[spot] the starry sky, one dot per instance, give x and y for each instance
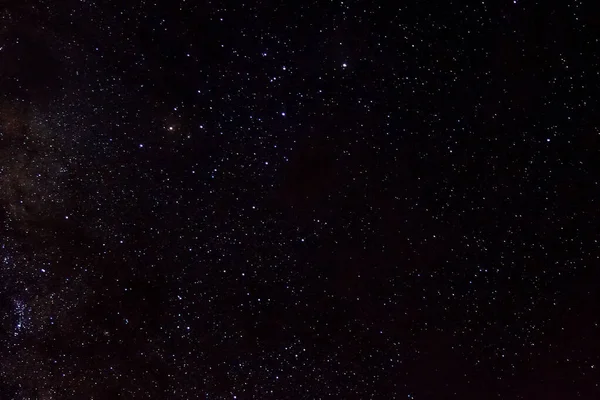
(299, 200)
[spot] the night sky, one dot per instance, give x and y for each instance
(299, 200)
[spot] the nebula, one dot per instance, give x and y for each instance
(34, 169)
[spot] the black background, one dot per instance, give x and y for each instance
(408, 210)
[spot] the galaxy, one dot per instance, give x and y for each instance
(294, 200)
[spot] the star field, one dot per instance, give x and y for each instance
(299, 200)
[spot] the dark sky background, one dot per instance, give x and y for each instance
(299, 200)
